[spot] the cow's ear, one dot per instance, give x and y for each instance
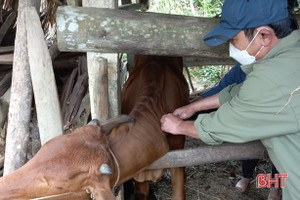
(108, 125)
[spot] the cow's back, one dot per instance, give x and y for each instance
(157, 77)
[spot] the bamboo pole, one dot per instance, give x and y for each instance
(43, 81)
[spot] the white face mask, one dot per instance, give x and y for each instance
(243, 56)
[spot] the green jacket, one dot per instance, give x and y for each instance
(266, 107)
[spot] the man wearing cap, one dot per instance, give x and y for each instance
(264, 38)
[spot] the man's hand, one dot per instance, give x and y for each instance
(185, 112)
(171, 124)
(176, 126)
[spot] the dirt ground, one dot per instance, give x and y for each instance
(214, 181)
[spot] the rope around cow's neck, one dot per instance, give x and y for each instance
(51, 196)
(115, 160)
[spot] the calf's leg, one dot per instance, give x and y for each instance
(142, 190)
(178, 189)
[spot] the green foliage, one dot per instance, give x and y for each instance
(232, 164)
(208, 76)
(204, 8)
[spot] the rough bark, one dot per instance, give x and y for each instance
(211, 154)
(110, 31)
(21, 98)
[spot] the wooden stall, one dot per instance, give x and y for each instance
(93, 33)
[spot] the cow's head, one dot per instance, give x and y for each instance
(77, 165)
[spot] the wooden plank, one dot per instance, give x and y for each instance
(21, 97)
(6, 49)
(6, 59)
(131, 7)
(110, 31)
(43, 81)
(211, 154)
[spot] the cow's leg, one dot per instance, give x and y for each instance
(142, 190)
(178, 189)
(129, 189)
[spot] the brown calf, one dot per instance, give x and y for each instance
(72, 165)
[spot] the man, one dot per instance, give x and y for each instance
(264, 39)
(237, 76)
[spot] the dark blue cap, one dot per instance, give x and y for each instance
(242, 14)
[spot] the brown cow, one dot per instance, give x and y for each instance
(69, 165)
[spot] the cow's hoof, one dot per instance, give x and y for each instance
(242, 185)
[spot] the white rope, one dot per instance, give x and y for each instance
(115, 160)
(52, 196)
(289, 100)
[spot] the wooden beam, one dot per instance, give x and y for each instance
(43, 80)
(7, 49)
(131, 7)
(211, 154)
(6, 59)
(109, 31)
(200, 61)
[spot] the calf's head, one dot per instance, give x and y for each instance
(74, 164)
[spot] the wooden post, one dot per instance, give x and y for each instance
(98, 86)
(97, 78)
(43, 81)
(21, 97)
(211, 154)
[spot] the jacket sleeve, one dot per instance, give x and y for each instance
(248, 112)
